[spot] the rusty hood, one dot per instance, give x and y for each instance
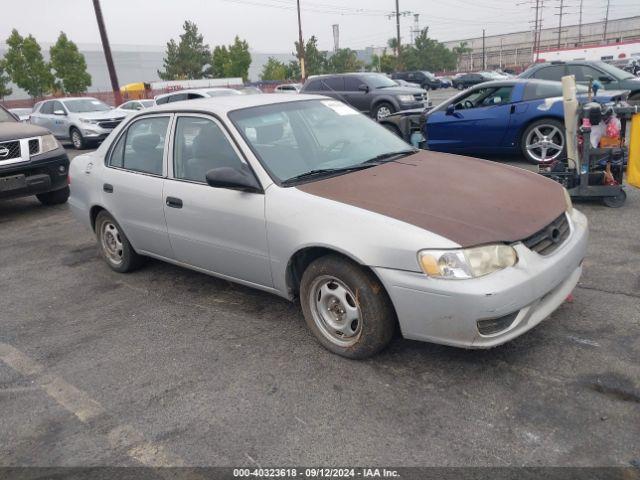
(467, 200)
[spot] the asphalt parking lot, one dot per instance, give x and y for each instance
(166, 366)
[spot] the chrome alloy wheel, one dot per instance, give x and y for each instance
(111, 243)
(76, 139)
(544, 143)
(382, 112)
(335, 311)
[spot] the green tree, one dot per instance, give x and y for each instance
(69, 66)
(293, 70)
(24, 63)
(344, 60)
(5, 91)
(231, 61)
(315, 61)
(460, 51)
(274, 69)
(427, 54)
(188, 58)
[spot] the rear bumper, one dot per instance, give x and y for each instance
(43, 173)
(448, 311)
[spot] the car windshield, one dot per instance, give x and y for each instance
(222, 92)
(6, 116)
(299, 138)
(615, 72)
(378, 81)
(86, 105)
(429, 75)
(147, 103)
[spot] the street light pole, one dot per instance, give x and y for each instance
(107, 53)
(398, 27)
(303, 72)
(484, 56)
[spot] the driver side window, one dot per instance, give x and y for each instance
(485, 97)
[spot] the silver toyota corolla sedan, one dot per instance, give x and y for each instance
(306, 198)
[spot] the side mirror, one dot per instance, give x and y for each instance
(451, 108)
(227, 177)
(605, 79)
(364, 88)
(59, 112)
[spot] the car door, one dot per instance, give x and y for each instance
(475, 122)
(44, 116)
(216, 229)
(359, 99)
(585, 73)
(59, 120)
(132, 183)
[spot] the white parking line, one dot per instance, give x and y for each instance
(85, 408)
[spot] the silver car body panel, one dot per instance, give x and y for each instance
(251, 238)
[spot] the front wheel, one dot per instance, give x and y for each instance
(382, 110)
(77, 139)
(56, 197)
(346, 307)
(114, 245)
(544, 141)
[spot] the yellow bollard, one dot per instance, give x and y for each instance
(633, 166)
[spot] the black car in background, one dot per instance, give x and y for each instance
(370, 93)
(609, 76)
(467, 80)
(32, 162)
(426, 80)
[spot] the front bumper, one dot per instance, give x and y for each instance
(448, 311)
(42, 173)
(95, 132)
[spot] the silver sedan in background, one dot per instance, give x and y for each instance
(304, 197)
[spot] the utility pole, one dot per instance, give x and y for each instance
(107, 53)
(560, 12)
(303, 72)
(501, 39)
(484, 56)
(606, 22)
(398, 28)
(580, 24)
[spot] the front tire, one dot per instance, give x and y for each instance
(544, 141)
(114, 245)
(57, 197)
(346, 307)
(78, 141)
(383, 109)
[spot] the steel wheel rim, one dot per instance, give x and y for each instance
(111, 242)
(544, 143)
(383, 112)
(335, 311)
(75, 138)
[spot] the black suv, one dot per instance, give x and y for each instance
(467, 80)
(32, 162)
(370, 93)
(611, 78)
(426, 80)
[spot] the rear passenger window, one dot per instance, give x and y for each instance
(47, 108)
(192, 96)
(315, 86)
(554, 72)
(177, 97)
(141, 147)
(200, 146)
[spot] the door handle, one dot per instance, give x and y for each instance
(174, 202)
(107, 187)
(513, 109)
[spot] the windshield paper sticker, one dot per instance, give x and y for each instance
(339, 107)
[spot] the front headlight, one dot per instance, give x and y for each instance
(406, 98)
(567, 200)
(89, 121)
(467, 262)
(48, 143)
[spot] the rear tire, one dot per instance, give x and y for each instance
(346, 307)
(79, 143)
(548, 134)
(616, 201)
(114, 245)
(57, 197)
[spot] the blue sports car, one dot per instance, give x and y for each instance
(502, 117)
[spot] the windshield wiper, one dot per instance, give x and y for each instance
(322, 172)
(389, 156)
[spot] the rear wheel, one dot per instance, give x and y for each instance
(56, 197)
(77, 139)
(114, 245)
(346, 307)
(544, 141)
(616, 201)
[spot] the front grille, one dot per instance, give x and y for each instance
(420, 97)
(9, 150)
(548, 239)
(34, 146)
(110, 123)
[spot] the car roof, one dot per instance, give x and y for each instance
(193, 90)
(347, 74)
(64, 99)
(223, 105)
